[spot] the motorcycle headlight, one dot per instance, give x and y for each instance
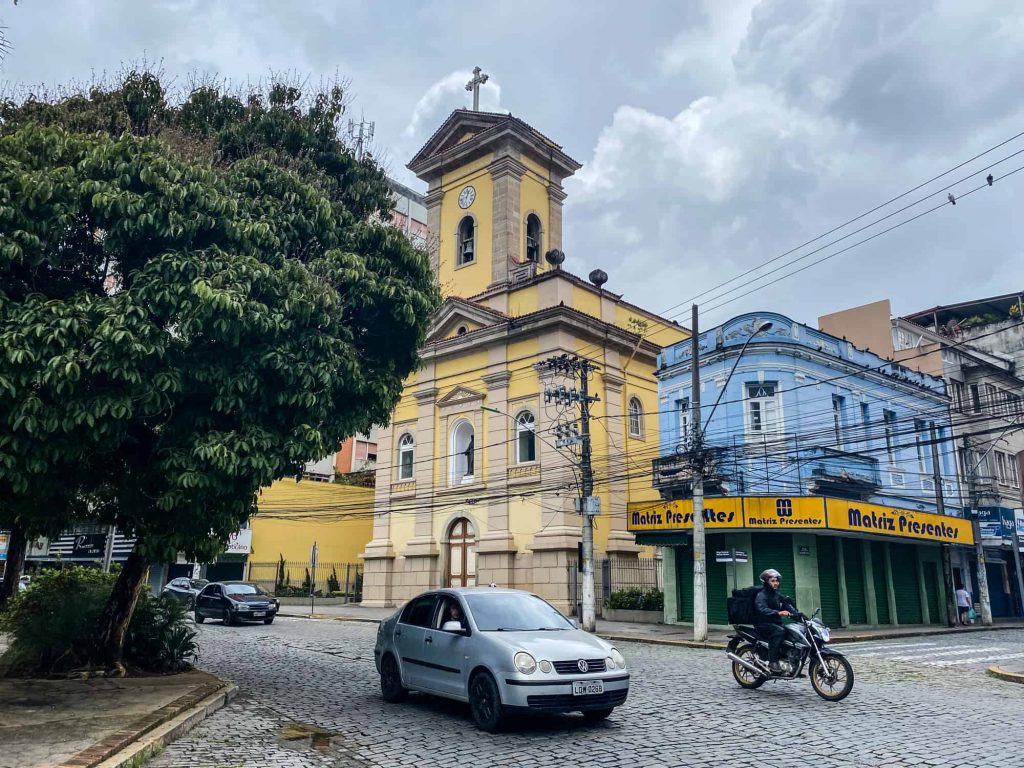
(618, 659)
(525, 663)
(825, 634)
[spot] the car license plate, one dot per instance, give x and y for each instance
(587, 687)
(258, 614)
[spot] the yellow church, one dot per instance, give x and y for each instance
(473, 484)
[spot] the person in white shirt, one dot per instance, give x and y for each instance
(963, 603)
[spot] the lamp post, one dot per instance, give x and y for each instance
(700, 585)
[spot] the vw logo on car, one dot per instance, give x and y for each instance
(582, 664)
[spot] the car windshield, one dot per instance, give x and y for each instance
(510, 612)
(243, 589)
(198, 583)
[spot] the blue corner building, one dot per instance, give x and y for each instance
(822, 460)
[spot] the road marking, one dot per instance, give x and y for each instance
(964, 649)
(873, 650)
(976, 660)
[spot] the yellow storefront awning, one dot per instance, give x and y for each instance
(799, 513)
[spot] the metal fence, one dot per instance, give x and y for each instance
(611, 576)
(292, 578)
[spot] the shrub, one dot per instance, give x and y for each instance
(332, 581)
(53, 626)
(636, 600)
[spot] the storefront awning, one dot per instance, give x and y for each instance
(797, 513)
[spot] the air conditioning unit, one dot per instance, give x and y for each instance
(897, 480)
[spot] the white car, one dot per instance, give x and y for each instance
(501, 650)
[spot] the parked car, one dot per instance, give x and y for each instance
(184, 590)
(234, 602)
(501, 650)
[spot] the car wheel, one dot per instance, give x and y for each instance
(485, 703)
(200, 618)
(391, 681)
(269, 621)
(226, 618)
(190, 605)
(597, 715)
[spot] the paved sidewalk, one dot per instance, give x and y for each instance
(668, 634)
(103, 721)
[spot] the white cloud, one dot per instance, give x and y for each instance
(443, 96)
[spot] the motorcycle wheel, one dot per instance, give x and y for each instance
(744, 676)
(833, 681)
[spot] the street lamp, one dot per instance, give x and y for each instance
(700, 584)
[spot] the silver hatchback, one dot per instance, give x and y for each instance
(501, 650)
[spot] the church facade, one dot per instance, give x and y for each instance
(475, 483)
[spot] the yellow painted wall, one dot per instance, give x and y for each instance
(471, 278)
(291, 516)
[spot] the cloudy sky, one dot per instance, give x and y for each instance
(714, 135)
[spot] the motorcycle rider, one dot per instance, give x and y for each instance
(771, 608)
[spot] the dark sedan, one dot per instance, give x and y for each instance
(184, 590)
(233, 602)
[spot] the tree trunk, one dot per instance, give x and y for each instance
(17, 545)
(117, 613)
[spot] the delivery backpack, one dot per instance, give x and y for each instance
(741, 605)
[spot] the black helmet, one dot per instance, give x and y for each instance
(770, 573)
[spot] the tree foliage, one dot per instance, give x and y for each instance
(195, 299)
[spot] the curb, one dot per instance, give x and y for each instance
(148, 735)
(1002, 674)
(328, 617)
(659, 641)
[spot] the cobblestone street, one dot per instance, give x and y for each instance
(310, 697)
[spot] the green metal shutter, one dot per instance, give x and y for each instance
(881, 596)
(718, 579)
(904, 583)
(775, 550)
(828, 581)
(931, 590)
(684, 582)
(853, 562)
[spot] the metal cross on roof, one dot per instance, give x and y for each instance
(474, 85)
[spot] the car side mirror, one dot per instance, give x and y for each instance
(453, 626)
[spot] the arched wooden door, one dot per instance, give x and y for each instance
(461, 554)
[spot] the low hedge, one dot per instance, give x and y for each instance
(636, 600)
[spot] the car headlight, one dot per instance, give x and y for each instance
(545, 666)
(525, 663)
(618, 659)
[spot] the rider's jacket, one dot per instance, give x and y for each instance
(769, 602)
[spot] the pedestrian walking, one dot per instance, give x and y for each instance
(963, 603)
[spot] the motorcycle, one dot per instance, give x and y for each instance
(805, 646)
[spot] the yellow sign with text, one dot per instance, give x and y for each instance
(892, 521)
(783, 512)
(678, 515)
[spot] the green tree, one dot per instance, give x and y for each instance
(194, 300)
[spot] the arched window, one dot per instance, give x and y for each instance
(636, 417)
(467, 239)
(461, 554)
(462, 453)
(532, 238)
(406, 454)
(526, 438)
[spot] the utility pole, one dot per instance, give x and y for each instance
(588, 505)
(700, 584)
(1015, 539)
(940, 507)
(108, 548)
(981, 575)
